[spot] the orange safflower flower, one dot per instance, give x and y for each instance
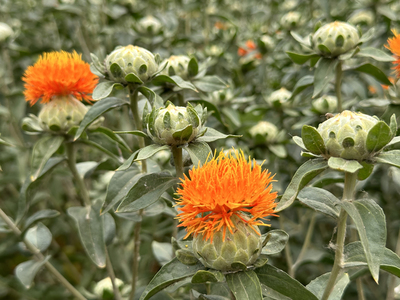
(251, 45)
(222, 188)
(242, 51)
(394, 47)
(59, 74)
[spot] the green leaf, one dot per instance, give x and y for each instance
(370, 221)
(212, 135)
(203, 276)
(108, 132)
(313, 140)
(344, 165)
(368, 35)
(281, 282)
(90, 227)
(162, 252)
(393, 125)
(103, 89)
(320, 200)
(355, 257)
(147, 190)
(193, 67)
(378, 137)
(375, 72)
(134, 132)
(376, 54)
(299, 141)
(324, 73)
(300, 39)
(176, 80)
(109, 228)
(39, 236)
(365, 171)
(97, 64)
(40, 215)
(212, 108)
(318, 285)
(390, 158)
(186, 257)
(300, 58)
(153, 97)
(276, 241)
(303, 175)
(119, 186)
(41, 153)
(149, 151)
(97, 110)
(27, 270)
(132, 78)
(278, 150)
(244, 285)
(210, 84)
(302, 84)
(199, 152)
(170, 273)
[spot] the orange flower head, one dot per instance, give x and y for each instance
(394, 47)
(242, 51)
(225, 187)
(59, 74)
(251, 45)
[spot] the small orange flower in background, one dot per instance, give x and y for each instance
(59, 74)
(394, 47)
(222, 188)
(242, 51)
(251, 45)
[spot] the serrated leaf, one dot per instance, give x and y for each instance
(378, 137)
(390, 157)
(40, 215)
(244, 285)
(376, 54)
(370, 221)
(344, 165)
(300, 59)
(318, 285)
(39, 236)
(203, 276)
(149, 151)
(375, 72)
(212, 135)
(277, 240)
(97, 110)
(303, 175)
(104, 89)
(41, 153)
(324, 73)
(27, 270)
(320, 200)
(170, 273)
(199, 152)
(147, 191)
(90, 227)
(282, 283)
(312, 140)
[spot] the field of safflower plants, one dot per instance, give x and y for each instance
(211, 150)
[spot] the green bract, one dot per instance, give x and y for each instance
(177, 65)
(175, 125)
(131, 64)
(335, 38)
(242, 246)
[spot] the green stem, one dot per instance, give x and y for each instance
(392, 280)
(348, 193)
(133, 95)
(39, 256)
(338, 86)
(288, 256)
(178, 161)
(360, 290)
(71, 153)
(111, 274)
(136, 256)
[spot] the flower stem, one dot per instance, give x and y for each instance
(178, 161)
(71, 153)
(39, 256)
(133, 95)
(136, 256)
(111, 274)
(288, 256)
(348, 192)
(338, 86)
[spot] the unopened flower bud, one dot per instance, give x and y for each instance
(149, 25)
(177, 65)
(290, 20)
(279, 98)
(104, 288)
(264, 130)
(335, 38)
(325, 104)
(5, 31)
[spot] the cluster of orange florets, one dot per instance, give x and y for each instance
(250, 48)
(221, 188)
(394, 47)
(58, 74)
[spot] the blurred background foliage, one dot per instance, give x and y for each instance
(244, 43)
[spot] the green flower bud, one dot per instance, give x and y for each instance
(345, 134)
(268, 41)
(264, 129)
(243, 245)
(279, 98)
(61, 113)
(175, 125)
(149, 25)
(362, 17)
(335, 38)
(177, 65)
(325, 104)
(5, 31)
(104, 289)
(130, 60)
(291, 19)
